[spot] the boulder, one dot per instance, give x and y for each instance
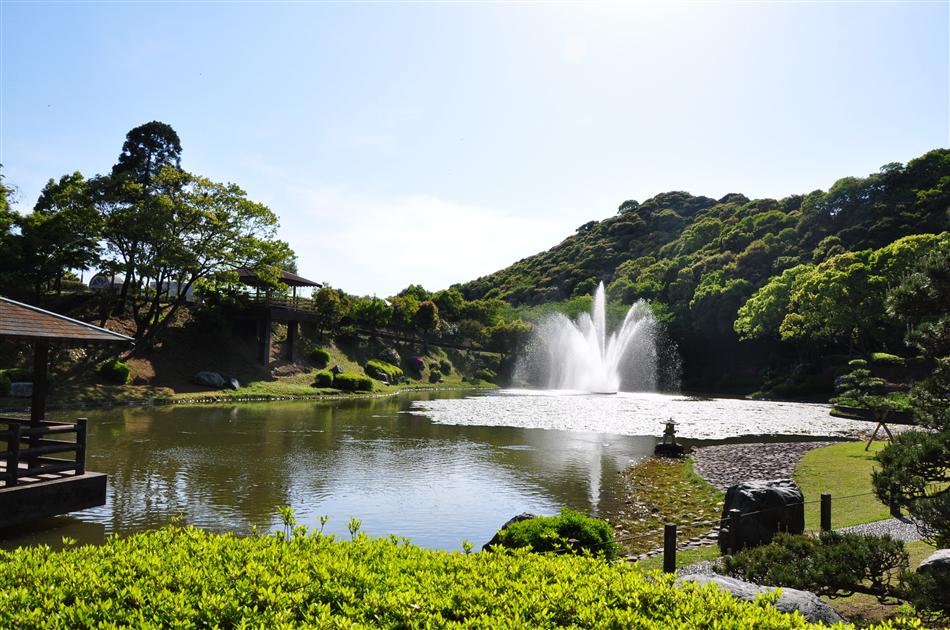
(336, 369)
(524, 516)
(21, 389)
(233, 383)
(938, 563)
(389, 355)
(209, 379)
(808, 604)
(772, 506)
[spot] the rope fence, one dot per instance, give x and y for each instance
(729, 523)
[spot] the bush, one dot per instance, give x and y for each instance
(5, 384)
(18, 374)
(571, 530)
(435, 376)
(353, 382)
(319, 357)
(378, 369)
(389, 355)
(927, 593)
(116, 371)
(883, 358)
(323, 378)
(185, 577)
(416, 364)
(485, 374)
(833, 564)
(445, 367)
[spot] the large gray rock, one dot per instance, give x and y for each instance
(524, 516)
(209, 379)
(808, 604)
(938, 563)
(233, 383)
(767, 507)
(21, 389)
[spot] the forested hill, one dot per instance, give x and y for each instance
(699, 259)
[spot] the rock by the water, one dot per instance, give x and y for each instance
(336, 369)
(209, 379)
(389, 355)
(808, 604)
(767, 507)
(937, 563)
(233, 383)
(524, 516)
(21, 389)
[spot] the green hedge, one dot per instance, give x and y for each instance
(319, 357)
(570, 531)
(116, 372)
(377, 368)
(185, 577)
(883, 358)
(323, 378)
(353, 382)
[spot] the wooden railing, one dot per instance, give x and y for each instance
(288, 301)
(32, 460)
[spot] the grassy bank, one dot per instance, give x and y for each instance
(183, 577)
(842, 470)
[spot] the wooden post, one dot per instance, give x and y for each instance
(13, 445)
(40, 381)
(81, 446)
(291, 339)
(825, 512)
(734, 516)
(266, 333)
(669, 548)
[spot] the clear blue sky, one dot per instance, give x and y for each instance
(436, 142)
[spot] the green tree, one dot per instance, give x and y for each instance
(329, 307)
(371, 312)
(915, 470)
(404, 309)
(763, 313)
(426, 317)
(61, 234)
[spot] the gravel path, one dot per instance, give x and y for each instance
(725, 465)
(899, 528)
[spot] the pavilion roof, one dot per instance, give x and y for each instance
(248, 277)
(30, 323)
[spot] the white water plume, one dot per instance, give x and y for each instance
(581, 355)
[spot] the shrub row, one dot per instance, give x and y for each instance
(377, 369)
(353, 382)
(323, 378)
(185, 577)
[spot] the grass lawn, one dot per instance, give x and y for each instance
(842, 470)
(683, 558)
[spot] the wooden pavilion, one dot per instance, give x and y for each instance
(269, 308)
(42, 474)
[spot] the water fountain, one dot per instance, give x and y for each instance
(581, 355)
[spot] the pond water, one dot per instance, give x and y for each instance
(436, 467)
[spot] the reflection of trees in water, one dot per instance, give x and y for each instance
(230, 467)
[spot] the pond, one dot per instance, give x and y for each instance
(436, 467)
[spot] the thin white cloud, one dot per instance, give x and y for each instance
(378, 245)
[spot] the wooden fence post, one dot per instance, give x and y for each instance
(13, 464)
(669, 548)
(81, 446)
(826, 512)
(734, 516)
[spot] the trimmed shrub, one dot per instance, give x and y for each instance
(116, 371)
(484, 374)
(883, 358)
(927, 592)
(833, 564)
(323, 378)
(186, 577)
(435, 376)
(319, 357)
(416, 364)
(570, 531)
(4, 385)
(445, 366)
(353, 382)
(377, 369)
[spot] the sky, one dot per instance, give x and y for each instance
(435, 142)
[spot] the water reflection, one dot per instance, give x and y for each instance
(228, 468)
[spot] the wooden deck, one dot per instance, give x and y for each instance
(43, 471)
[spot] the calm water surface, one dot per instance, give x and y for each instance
(436, 467)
